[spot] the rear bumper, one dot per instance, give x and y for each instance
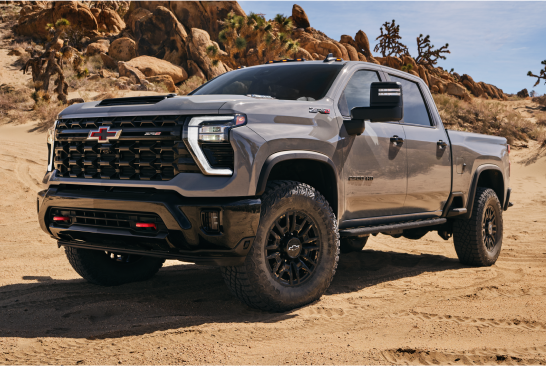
(180, 237)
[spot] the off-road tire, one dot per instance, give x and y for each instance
(468, 235)
(99, 268)
(350, 245)
(254, 283)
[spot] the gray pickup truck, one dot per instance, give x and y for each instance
(269, 172)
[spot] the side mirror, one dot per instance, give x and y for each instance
(385, 104)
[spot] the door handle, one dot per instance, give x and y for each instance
(397, 140)
(442, 144)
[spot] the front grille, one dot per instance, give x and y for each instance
(107, 219)
(149, 148)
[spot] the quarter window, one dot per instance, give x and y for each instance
(357, 91)
(415, 110)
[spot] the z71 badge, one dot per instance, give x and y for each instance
(319, 110)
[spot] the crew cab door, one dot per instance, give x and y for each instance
(428, 151)
(375, 168)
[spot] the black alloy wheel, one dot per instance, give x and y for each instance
(489, 228)
(292, 250)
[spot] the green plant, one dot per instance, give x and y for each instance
(389, 41)
(252, 40)
(407, 68)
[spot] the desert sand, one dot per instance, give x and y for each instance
(397, 301)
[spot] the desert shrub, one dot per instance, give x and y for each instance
(191, 84)
(160, 88)
(541, 118)
(487, 117)
(540, 100)
(13, 102)
(107, 95)
(46, 113)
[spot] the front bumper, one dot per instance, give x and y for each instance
(181, 235)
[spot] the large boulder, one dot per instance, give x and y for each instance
(299, 17)
(193, 14)
(108, 61)
(122, 49)
(524, 93)
(458, 91)
(198, 41)
(151, 66)
(96, 48)
(353, 54)
(108, 20)
(471, 85)
(33, 21)
(343, 49)
(160, 34)
(131, 72)
(135, 16)
(165, 80)
(194, 70)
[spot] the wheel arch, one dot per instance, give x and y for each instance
(309, 167)
(488, 176)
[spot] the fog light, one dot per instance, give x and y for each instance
(210, 221)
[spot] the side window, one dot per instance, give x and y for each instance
(357, 91)
(415, 110)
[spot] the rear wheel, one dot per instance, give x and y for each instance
(111, 269)
(349, 245)
(295, 253)
(478, 240)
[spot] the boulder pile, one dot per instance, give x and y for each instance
(167, 42)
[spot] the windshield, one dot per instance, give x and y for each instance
(282, 81)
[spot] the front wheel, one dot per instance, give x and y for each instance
(478, 240)
(111, 269)
(295, 253)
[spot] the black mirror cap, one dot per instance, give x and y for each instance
(386, 94)
(354, 127)
(386, 104)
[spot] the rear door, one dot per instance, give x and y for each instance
(375, 169)
(428, 151)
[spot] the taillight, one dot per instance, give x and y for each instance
(61, 218)
(508, 146)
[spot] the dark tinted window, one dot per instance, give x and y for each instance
(357, 91)
(282, 81)
(415, 111)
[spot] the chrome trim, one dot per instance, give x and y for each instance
(52, 153)
(195, 150)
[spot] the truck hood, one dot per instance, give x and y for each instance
(194, 104)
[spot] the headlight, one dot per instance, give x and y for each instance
(210, 129)
(51, 146)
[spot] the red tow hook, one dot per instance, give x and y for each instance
(61, 218)
(146, 224)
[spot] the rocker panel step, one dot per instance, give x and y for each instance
(390, 227)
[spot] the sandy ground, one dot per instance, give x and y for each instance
(397, 301)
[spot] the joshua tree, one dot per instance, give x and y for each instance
(541, 75)
(253, 37)
(427, 55)
(50, 63)
(389, 41)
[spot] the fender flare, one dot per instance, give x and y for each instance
(474, 187)
(278, 157)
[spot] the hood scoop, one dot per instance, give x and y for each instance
(151, 99)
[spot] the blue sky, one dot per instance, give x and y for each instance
(494, 42)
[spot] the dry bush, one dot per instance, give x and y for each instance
(9, 13)
(13, 103)
(487, 117)
(541, 118)
(75, 81)
(190, 85)
(46, 113)
(159, 87)
(540, 100)
(107, 95)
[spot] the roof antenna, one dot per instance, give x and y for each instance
(329, 58)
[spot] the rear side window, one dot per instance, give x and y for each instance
(357, 91)
(415, 110)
